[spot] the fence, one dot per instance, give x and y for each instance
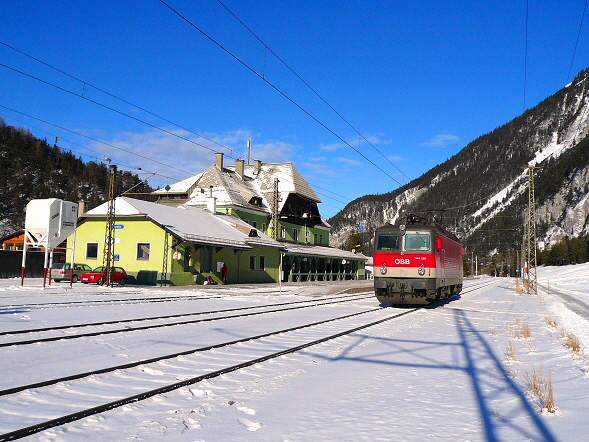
(11, 264)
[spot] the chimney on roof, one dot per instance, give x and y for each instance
(212, 201)
(257, 167)
(81, 208)
(212, 204)
(239, 168)
(219, 160)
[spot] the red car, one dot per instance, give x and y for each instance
(98, 275)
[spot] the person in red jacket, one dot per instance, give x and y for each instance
(224, 271)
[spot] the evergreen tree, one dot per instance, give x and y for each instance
(354, 242)
(33, 169)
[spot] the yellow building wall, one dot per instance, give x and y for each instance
(185, 261)
(128, 236)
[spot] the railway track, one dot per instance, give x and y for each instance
(127, 329)
(94, 302)
(115, 381)
(85, 394)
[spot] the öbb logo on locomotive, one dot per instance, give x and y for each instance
(420, 262)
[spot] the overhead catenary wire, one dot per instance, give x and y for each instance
(98, 156)
(98, 141)
(85, 83)
(145, 110)
(268, 49)
(526, 52)
(139, 155)
(277, 89)
(577, 41)
(136, 119)
(121, 113)
(108, 107)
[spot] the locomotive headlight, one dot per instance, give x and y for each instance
(383, 269)
(421, 270)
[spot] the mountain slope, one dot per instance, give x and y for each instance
(30, 169)
(483, 188)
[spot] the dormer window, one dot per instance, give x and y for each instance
(256, 201)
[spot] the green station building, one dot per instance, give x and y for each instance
(260, 220)
(276, 200)
(158, 244)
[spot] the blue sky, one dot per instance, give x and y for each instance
(418, 79)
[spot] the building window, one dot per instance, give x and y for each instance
(143, 251)
(252, 263)
(255, 224)
(92, 250)
(320, 239)
(264, 227)
(307, 237)
(282, 232)
(295, 234)
(262, 263)
(317, 239)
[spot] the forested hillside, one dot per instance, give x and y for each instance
(483, 188)
(31, 168)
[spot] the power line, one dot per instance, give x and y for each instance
(252, 70)
(577, 42)
(139, 120)
(107, 107)
(116, 111)
(117, 97)
(145, 110)
(267, 48)
(526, 52)
(98, 141)
(141, 156)
(83, 147)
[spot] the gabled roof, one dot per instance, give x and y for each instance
(232, 190)
(184, 186)
(190, 223)
(290, 181)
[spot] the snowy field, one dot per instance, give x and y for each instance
(461, 371)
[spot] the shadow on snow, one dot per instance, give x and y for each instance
(490, 379)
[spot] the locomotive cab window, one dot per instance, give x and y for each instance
(417, 242)
(389, 242)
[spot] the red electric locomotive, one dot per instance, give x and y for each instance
(416, 262)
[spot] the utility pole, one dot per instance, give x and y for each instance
(109, 240)
(164, 276)
(530, 235)
(275, 206)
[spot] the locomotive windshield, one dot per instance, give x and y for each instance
(417, 241)
(389, 242)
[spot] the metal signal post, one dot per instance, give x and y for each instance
(530, 249)
(109, 240)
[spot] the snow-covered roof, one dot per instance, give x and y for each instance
(231, 189)
(329, 252)
(191, 224)
(184, 186)
(290, 181)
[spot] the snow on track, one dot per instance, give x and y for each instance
(453, 372)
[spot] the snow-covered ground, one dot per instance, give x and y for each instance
(455, 372)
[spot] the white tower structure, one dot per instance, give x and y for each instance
(48, 223)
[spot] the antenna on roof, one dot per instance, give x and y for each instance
(249, 151)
